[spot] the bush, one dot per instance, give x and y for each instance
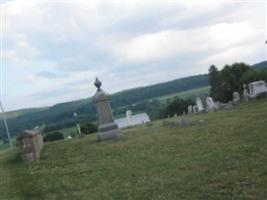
(53, 136)
(177, 106)
(88, 128)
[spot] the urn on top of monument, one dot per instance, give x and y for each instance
(100, 95)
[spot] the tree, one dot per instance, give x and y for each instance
(230, 79)
(214, 80)
(88, 128)
(177, 106)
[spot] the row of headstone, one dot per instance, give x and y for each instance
(199, 107)
(255, 89)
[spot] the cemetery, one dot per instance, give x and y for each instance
(147, 100)
(117, 163)
(221, 151)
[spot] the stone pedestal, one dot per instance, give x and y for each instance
(107, 129)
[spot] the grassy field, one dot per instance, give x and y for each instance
(223, 158)
(186, 94)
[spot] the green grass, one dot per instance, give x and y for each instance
(224, 158)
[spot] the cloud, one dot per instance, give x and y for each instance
(53, 51)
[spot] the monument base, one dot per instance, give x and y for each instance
(109, 135)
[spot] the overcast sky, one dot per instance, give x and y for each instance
(52, 51)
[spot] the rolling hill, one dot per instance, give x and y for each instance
(261, 65)
(61, 115)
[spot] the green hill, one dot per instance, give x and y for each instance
(61, 115)
(16, 113)
(223, 158)
(261, 65)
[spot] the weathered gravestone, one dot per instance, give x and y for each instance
(236, 98)
(245, 93)
(107, 128)
(195, 109)
(184, 123)
(211, 106)
(190, 109)
(200, 106)
(30, 144)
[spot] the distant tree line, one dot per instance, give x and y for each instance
(232, 78)
(61, 115)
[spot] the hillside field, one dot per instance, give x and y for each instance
(223, 158)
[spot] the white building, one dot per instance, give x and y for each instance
(132, 120)
(257, 88)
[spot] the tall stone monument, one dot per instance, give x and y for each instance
(107, 128)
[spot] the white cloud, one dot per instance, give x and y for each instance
(141, 43)
(155, 46)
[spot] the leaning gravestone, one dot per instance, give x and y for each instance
(211, 107)
(200, 106)
(107, 128)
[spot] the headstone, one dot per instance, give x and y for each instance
(190, 109)
(200, 106)
(245, 93)
(236, 98)
(211, 107)
(195, 109)
(30, 144)
(129, 115)
(107, 128)
(217, 105)
(184, 123)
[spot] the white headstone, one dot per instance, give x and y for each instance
(129, 115)
(236, 97)
(245, 93)
(211, 107)
(200, 106)
(190, 109)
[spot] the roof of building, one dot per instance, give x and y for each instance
(134, 120)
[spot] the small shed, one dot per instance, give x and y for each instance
(30, 143)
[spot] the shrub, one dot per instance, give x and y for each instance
(88, 128)
(53, 136)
